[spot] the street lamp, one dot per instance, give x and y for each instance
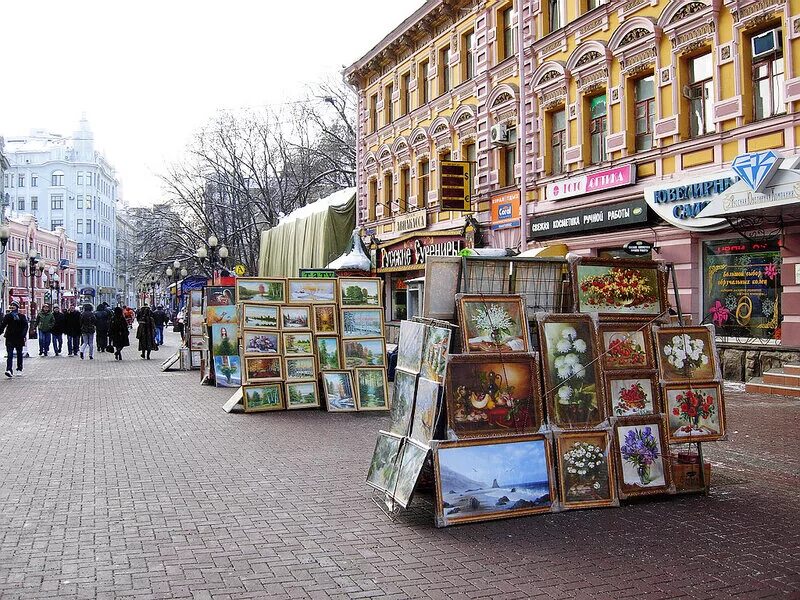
(5, 234)
(153, 288)
(54, 284)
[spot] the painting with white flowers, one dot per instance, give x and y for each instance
(492, 323)
(587, 476)
(686, 353)
(573, 384)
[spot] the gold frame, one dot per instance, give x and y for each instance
(268, 279)
(627, 328)
(561, 446)
(334, 308)
(293, 357)
(275, 332)
(306, 307)
(303, 333)
(387, 403)
(343, 344)
(338, 351)
(720, 402)
(687, 375)
(327, 280)
(377, 309)
(263, 409)
(655, 386)
(340, 297)
(246, 375)
(287, 385)
(349, 374)
(516, 299)
(654, 421)
(275, 307)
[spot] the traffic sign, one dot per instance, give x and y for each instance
(455, 185)
(240, 270)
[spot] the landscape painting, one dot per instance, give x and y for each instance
(325, 318)
(360, 291)
(362, 322)
(426, 409)
(339, 391)
(263, 368)
(409, 346)
(328, 353)
(372, 389)
(261, 342)
(227, 313)
(225, 340)
(622, 289)
(412, 460)
(587, 476)
(632, 393)
(299, 368)
(626, 347)
(227, 371)
(197, 343)
(260, 316)
(308, 290)
(481, 480)
(695, 412)
(383, 468)
(302, 394)
(297, 343)
(259, 398)
(364, 353)
(435, 348)
(254, 289)
(195, 302)
(686, 353)
(493, 323)
(405, 386)
(295, 317)
(640, 452)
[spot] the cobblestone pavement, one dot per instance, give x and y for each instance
(118, 480)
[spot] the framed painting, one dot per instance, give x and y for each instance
(435, 348)
(686, 353)
(262, 290)
(326, 319)
(586, 470)
(640, 456)
(197, 343)
(619, 289)
(364, 353)
(296, 317)
(441, 286)
(196, 329)
(572, 375)
(220, 295)
(492, 323)
(695, 411)
(260, 316)
(194, 359)
(494, 478)
(412, 459)
(409, 346)
(382, 474)
(261, 342)
(359, 291)
(426, 411)
(260, 398)
(339, 391)
(310, 291)
(300, 368)
(263, 368)
(632, 393)
(492, 394)
(195, 302)
(328, 352)
(225, 339)
(302, 394)
(626, 346)
(298, 343)
(362, 323)
(227, 313)
(405, 387)
(228, 371)
(372, 389)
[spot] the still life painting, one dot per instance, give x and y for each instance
(626, 347)
(695, 411)
(493, 323)
(587, 478)
(632, 393)
(624, 289)
(685, 353)
(641, 455)
(254, 289)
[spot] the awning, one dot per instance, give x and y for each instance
(551, 251)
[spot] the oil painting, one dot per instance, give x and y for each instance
(325, 318)
(383, 468)
(220, 295)
(412, 460)
(225, 340)
(328, 352)
(405, 386)
(302, 394)
(409, 346)
(626, 347)
(426, 410)
(306, 290)
(492, 323)
(695, 411)
(297, 343)
(226, 313)
(259, 398)
(686, 353)
(358, 291)
(267, 368)
(435, 348)
(261, 290)
(621, 289)
(228, 371)
(364, 353)
(296, 317)
(362, 322)
(372, 389)
(261, 342)
(641, 458)
(339, 391)
(586, 473)
(260, 316)
(299, 368)
(632, 393)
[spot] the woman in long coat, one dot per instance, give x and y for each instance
(118, 333)
(146, 332)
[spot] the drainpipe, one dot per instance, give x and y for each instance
(522, 134)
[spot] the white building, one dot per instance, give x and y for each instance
(64, 181)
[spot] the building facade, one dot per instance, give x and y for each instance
(125, 255)
(65, 182)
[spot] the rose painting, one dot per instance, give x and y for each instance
(626, 347)
(695, 411)
(686, 353)
(632, 393)
(619, 288)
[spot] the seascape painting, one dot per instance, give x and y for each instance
(308, 290)
(364, 353)
(260, 316)
(260, 290)
(339, 391)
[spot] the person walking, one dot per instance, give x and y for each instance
(72, 327)
(160, 319)
(44, 323)
(59, 322)
(146, 332)
(15, 326)
(103, 317)
(88, 329)
(129, 316)
(118, 332)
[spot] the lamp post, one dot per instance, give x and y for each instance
(55, 285)
(34, 270)
(153, 283)
(5, 234)
(214, 251)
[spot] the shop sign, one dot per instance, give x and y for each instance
(87, 291)
(318, 273)
(411, 253)
(411, 221)
(505, 210)
(638, 248)
(572, 222)
(680, 201)
(454, 185)
(592, 182)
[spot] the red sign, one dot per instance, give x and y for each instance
(410, 253)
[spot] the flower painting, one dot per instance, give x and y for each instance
(409, 346)
(372, 389)
(405, 387)
(435, 348)
(626, 347)
(493, 323)
(259, 316)
(259, 398)
(309, 290)
(261, 342)
(695, 412)
(364, 353)
(640, 450)
(268, 368)
(302, 394)
(619, 288)
(426, 410)
(586, 473)
(360, 291)
(686, 353)
(382, 474)
(632, 393)
(254, 289)
(328, 353)
(339, 391)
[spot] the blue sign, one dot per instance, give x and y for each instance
(756, 168)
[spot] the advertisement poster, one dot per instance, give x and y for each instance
(742, 288)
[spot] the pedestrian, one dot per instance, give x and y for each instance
(160, 318)
(59, 322)
(103, 317)
(72, 328)
(44, 323)
(118, 332)
(129, 316)
(15, 326)
(178, 327)
(146, 332)
(88, 329)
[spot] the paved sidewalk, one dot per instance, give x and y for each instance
(118, 480)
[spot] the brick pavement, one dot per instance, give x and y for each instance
(119, 481)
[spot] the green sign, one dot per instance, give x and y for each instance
(317, 273)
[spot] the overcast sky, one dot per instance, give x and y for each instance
(149, 73)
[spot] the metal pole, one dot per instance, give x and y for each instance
(522, 137)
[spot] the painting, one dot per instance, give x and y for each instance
(197, 343)
(572, 377)
(496, 478)
(260, 398)
(587, 475)
(640, 453)
(441, 286)
(435, 348)
(325, 318)
(632, 393)
(296, 317)
(217, 295)
(372, 389)
(309, 290)
(491, 323)
(302, 394)
(362, 323)
(339, 391)
(328, 352)
(619, 289)
(409, 346)
(412, 460)
(225, 339)
(261, 342)
(382, 474)
(260, 316)
(260, 369)
(297, 343)
(261, 290)
(228, 371)
(364, 353)
(405, 386)
(626, 347)
(695, 411)
(686, 353)
(299, 368)
(195, 302)
(227, 313)
(196, 329)
(492, 394)
(426, 409)
(358, 291)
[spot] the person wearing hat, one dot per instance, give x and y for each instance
(15, 327)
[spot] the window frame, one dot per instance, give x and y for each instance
(595, 122)
(705, 123)
(649, 116)
(509, 32)
(558, 139)
(445, 76)
(775, 81)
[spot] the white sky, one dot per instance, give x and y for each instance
(149, 73)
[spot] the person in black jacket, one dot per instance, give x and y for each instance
(59, 322)
(72, 327)
(88, 329)
(15, 326)
(103, 316)
(118, 332)
(146, 332)
(160, 319)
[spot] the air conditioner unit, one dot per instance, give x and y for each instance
(767, 43)
(691, 93)
(499, 134)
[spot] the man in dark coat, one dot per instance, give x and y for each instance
(160, 319)
(59, 322)
(118, 333)
(15, 326)
(103, 316)
(146, 332)
(72, 327)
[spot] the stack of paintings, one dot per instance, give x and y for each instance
(194, 328)
(222, 328)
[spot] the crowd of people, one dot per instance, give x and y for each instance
(86, 328)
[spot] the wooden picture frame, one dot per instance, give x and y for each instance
(220, 295)
(311, 290)
(260, 316)
(302, 394)
(298, 343)
(360, 292)
(263, 369)
(295, 318)
(385, 463)
(626, 346)
(364, 352)
(372, 394)
(412, 459)
(493, 323)
(686, 353)
(362, 323)
(300, 368)
(586, 470)
(261, 342)
(328, 352)
(326, 319)
(409, 346)
(261, 290)
(695, 411)
(405, 390)
(641, 474)
(632, 393)
(262, 398)
(339, 391)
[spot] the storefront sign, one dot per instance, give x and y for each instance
(572, 222)
(318, 273)
(593, 182)
(87, 291)
(505, 210)
(411, 252)
(680, 201)
(638, 248)
(454, 185)
(411, 221)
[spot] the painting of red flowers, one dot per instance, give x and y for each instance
(626, 346)
(621, 289)
(632, 393)
(696, 412)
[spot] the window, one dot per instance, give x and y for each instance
(388, 103)
(405, 188)
(21, 180)
(34, 180)
(468, 44)
(80, 178)
(56, 223)
(57, 179)
(388, 191)
(88, 251)
(79, 200)
(424, 183)
(372, 199)
(21, 203)
(768, 74)
(509, 33)
(34, 202)
(80, 250)
(423, 85)
(592, 4)
(79, 226)
(88, 226)
(554, 10)
(700, 94)
(405, 94)
(598, 128)
(444, 70)
(88, 203)
(558, 140)
(373, 113)
(644, 112)
(509, 160)
(57, 202)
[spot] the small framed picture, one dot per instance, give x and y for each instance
(586, 468)
(626, 346)
(260, 316)
(220, 295)
(298, 343)
(296, 317)
(328, 352)
(263, 368)
(362, 323)
(300, 368)
(326, 319)
(632, 393)
(364, 353)
(261, 342)
(339, 391)
(360, 291)
(225, 313)
(302, 394)
(372, 389)
(640, 453)
(686, 353)
(695, 411)
(197, 342)
(491, 323)
(262, 290)
(196, 329)
(311, 291)
(260, 398)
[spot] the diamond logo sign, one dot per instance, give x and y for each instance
(756, 168)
